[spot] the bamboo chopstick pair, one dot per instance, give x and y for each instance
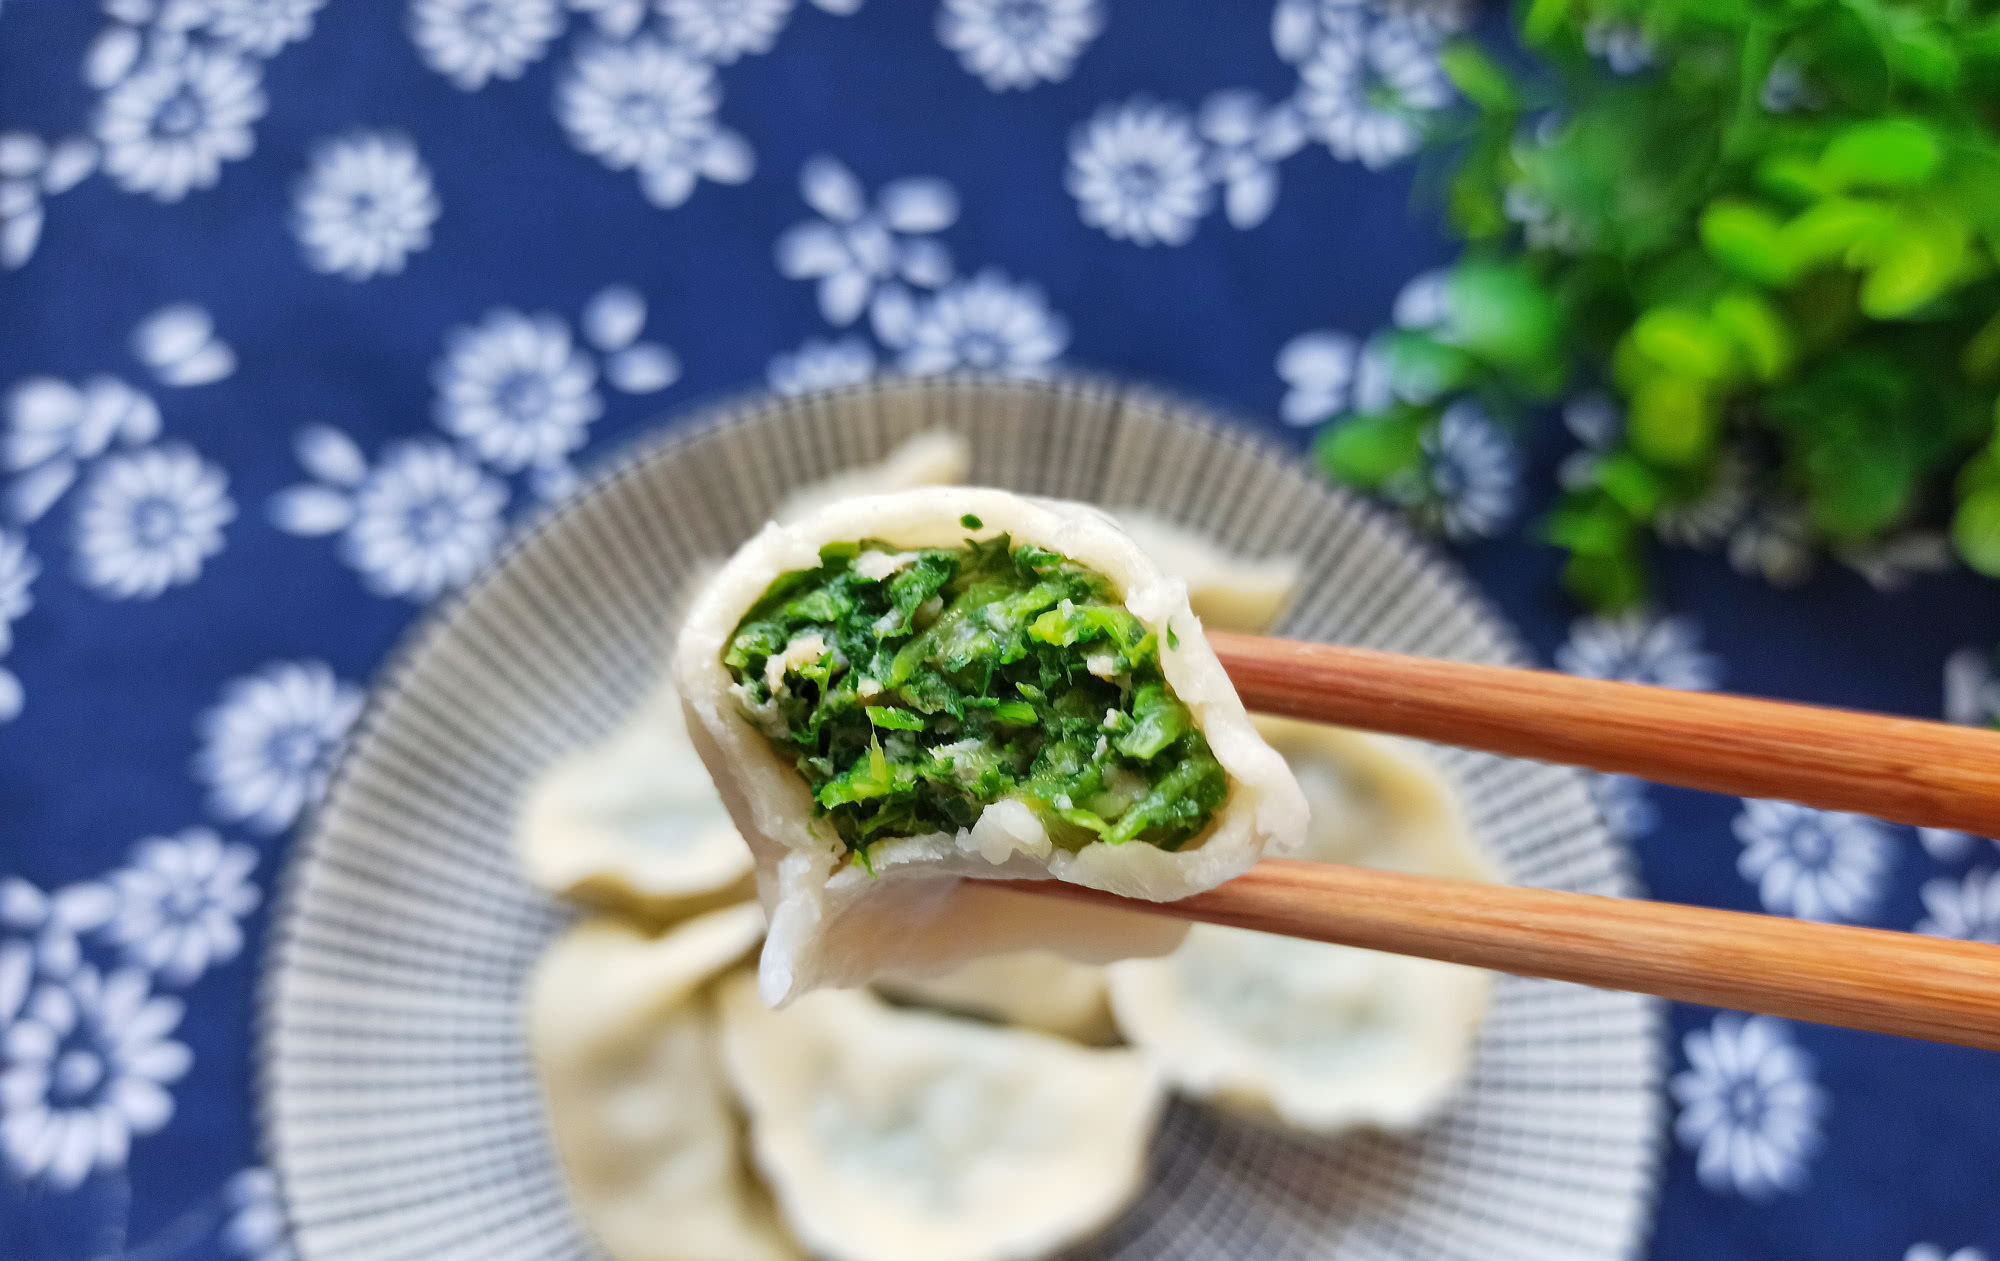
(1904, 770)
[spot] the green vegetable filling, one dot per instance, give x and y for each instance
(914, 689)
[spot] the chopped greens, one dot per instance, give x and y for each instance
(912, 689)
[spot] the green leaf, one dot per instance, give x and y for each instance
(1856, 492)
(1543, 19)
(1909, 269)
(1759, 332)
(1826, 232)
(1672, 421)
(1975, 530)
(1892, 153)
(1792, 177)
(1422, 369)
(1631, 484)
(1479, 78)
(1684, 344)
(1590, 525)
(1980, 359)
(898, 719)
(1608, 584)
(1501, 314)
(1367, 451)
(1747, 239)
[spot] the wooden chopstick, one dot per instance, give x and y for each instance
(1931, 774)
(1861, 978)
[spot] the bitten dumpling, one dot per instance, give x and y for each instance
(907, 689)
(623, 1036)
(1039, 988)
(894, 1135)
(1315, 1037)
(635, 822)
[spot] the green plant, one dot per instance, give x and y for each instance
(1776, 244)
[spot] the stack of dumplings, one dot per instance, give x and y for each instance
(1003, 1110)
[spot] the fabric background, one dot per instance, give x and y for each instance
(215, 527)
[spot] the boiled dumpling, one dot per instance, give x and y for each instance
(1376, 801)
(937, 458)
(623, 1036)
(1036, 988)
(904, 690)
(1226, 591)
(1316, 1037)
(892, 1135)
(635, 822)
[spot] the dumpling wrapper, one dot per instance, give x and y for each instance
(937, 458)
(1315, 1037)
(635, 822)
(892, 1135)
(1227, 591)
(624, 1039)
(1036, 988)
(832, 923)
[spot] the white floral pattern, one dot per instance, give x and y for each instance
(821, 365)
(262, 27)
(723, 30)
(1469, 483)
(1932, 1252)
(56, 921)
(180, 901)
(1318, 371)
(170, 127)
(1365, 97)
(88, 1066)
(1246, 141)
(473, 41)
(986, 324)
(18, 569)
(861, 253)
(270, 741)
(1138, 173)
(54, 427)
(646, 106)
(1019, 43)
(1750, 1107)
(423, 522)
(516, 389)
(149, 521)
(366, 204)
(1814, 864)
(257, 1229)
(178, 343)
(1966, 908)
(1640, 648)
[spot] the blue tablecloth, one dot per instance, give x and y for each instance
(302, 305)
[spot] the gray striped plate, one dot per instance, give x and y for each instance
(398, 1104)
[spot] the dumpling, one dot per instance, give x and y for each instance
(892, 1135)
(1316, 1037)
(908, 689)
(624, 1039)
(635, 822)
(1226, 591)
(937, 458)
(1037, 988)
